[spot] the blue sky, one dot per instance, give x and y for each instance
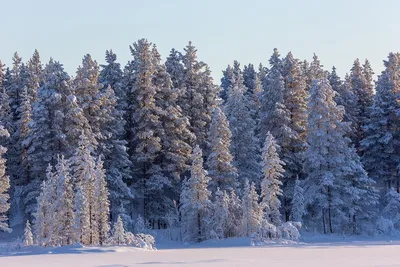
(338, 31)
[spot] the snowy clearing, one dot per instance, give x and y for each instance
(230, 253)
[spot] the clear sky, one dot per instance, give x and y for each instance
(337, 31)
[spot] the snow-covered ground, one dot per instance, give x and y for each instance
(318, 252)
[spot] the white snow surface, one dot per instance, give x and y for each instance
(319, 251)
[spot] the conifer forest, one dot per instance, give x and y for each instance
(112, 152)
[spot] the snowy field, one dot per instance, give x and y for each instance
(238, 252)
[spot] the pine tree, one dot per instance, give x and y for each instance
(6, 116)
(295, 100)
(64, 206)
(95, 105)
(298, 203)
(195, 203)
(233, 228)
(337, 187)
(175, 69)
(45, 224)
(28, 236)
(35, 76)
(82, 217)
(272, 168)
(252, 211)
(145, 143)
(40, 223)
(4, 185)
(250, 79)
(112, 75)
(244, 144)
(176, 139)
(220, 213)
(222, 173)
(199, 97)
(102, 204)
(84, 177)
(380, 145)
(345, 97)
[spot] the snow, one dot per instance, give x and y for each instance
(317, 251)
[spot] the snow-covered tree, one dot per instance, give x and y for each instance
(250, 79)
(298, 203)
(364, 98)
(55, 126)
(195, 203)
(221, 171)
(199, 96)
(220, 214)
(118, 234)
(337, 186)
(233, 227)
(272, 170)
(64, 206)
(251, 210)
(111, 75)
(102, 204)
(35, 76)
(82, 217)
(28, 236)
(175, 69)
(380, 145)
(244, 144)
(95, 105)
(45, 223)
(145, 135)
(4, 185)
(84, 177)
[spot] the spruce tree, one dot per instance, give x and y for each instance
(102, 204)
(221, 171)
(145, 143)
(35, 76)
(250, 80)
(251, 210)
(195, 203)
(4, 185)
(337, 186)
(380, 145)
(298, 203)
(175, 69)
(64, 206)
(199, 97)
(244, 144)
(118, 236)
(272, 169)
(295, 100)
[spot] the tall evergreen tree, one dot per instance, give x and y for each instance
(199, 97)
(195, 203)
(4, 185)
(244, 144)
(363, 91)
(64, 206)
(381, 143)
(251, 209)
(175, 69)
(146, 143)
(337, 185)
(250, 79)
(223, 174)
(272, 168)
(35, 76)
